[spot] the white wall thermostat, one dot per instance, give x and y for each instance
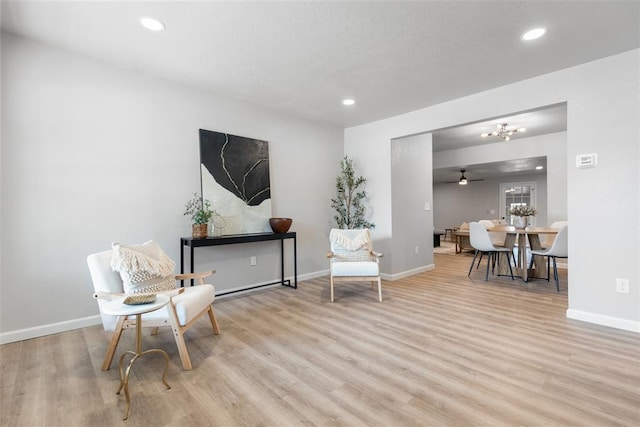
(586, 160)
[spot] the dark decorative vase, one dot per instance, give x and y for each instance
(280, 225)
(199, 231)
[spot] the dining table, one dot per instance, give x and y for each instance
(527, 237)
(520, 238)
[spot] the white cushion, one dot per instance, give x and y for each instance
(351, 245)
(143, 268)
(361, 268)
(188, 304)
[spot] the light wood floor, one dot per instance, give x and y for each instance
(441, 349)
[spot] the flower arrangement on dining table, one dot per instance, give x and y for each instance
(523, 210)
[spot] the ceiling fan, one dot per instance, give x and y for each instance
(463, 179)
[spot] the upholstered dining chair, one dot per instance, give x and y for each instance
(481, 242)
(559, 249)
(487, 224)
(186, 306)
(546, 240)
(498, 236)
(352, 258)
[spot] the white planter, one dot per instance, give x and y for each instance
(520, 221)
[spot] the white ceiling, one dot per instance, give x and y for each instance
(543, 121)
(303, 58)
(546, 120)
(505, 171)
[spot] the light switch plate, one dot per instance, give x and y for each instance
(587, 160)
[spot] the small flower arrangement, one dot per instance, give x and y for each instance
(199, 209)
(523, 210)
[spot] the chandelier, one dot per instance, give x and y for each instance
(503, 132)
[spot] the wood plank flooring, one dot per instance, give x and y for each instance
(441, 349)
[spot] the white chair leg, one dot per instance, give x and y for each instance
(379, 290)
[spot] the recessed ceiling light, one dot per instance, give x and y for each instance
(539, 168)
(151, 23)
(348, 101)
(534, 34)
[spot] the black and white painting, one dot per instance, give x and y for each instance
(235, 177)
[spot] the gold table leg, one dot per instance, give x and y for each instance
(124, 374)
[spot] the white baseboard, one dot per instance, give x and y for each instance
(599, 319)
(52, 328)
(69, 325)
(243, 290)
(314, 275)
(407, 273)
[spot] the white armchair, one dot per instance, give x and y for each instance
(352, 258)
(186, 306)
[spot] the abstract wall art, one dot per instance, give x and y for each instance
(234, 172)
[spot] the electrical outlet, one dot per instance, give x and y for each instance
(254, 261)
(622, 286)
(417, 250)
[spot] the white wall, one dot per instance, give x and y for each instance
(454, 204)
(412, 225)
(93, 154)
(603, 94)
(553, 146)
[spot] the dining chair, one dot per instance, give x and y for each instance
(498, 235)
(547, 239)
(486, 224)
(481, 242)
(559, 249)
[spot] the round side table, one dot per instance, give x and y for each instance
(118, 308)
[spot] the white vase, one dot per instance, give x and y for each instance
(520, 221)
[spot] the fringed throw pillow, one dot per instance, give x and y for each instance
(356, 248)
(143, 268)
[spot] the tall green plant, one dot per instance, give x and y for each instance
(348, 204)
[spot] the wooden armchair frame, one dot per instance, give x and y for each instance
(125, 322)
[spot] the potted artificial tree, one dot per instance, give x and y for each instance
(348, 204)
(201, 212)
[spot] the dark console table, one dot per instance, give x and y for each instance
(244, 238)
